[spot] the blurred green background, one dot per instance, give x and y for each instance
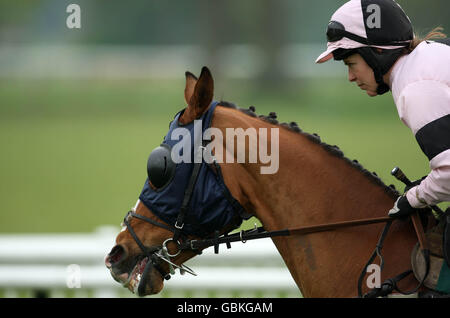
(81, 109)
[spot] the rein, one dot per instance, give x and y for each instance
(260, 232)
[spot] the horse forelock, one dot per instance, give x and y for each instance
(332, 149)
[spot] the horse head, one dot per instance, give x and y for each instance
(149, 247)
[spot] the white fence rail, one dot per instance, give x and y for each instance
(71, 265)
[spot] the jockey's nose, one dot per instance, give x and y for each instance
(117, 254)
(351, 76)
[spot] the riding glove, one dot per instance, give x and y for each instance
(401, 208)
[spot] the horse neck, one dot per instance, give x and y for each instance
(314, 186)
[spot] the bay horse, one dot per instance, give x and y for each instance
(315, 184)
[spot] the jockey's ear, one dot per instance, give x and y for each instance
(203, 93)
(191, 80)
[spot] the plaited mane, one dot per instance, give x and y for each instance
(292, 126)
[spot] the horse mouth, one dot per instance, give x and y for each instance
(136, 275)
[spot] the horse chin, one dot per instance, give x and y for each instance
(152, 284)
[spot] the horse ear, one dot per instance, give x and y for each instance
(203, 93)
(191, 80)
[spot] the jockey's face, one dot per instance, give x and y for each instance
(361, 73)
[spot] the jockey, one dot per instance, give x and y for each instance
(375, 40)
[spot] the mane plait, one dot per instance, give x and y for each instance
(333, 149)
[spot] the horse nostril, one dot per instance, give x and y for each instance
(116, 255)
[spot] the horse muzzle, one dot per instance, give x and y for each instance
(141, 274)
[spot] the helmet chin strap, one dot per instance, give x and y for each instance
(382, 88)
(380, 63)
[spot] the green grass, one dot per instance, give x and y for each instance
(73, 153)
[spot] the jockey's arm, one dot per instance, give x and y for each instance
(424, 106)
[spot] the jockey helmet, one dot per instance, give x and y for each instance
(378, 30)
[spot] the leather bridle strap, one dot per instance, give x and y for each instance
(144, 249)
(259, 232)
(147, 251)
(148, 220)
(179, 224)
(334, 226)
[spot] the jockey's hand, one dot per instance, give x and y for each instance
(401, 208)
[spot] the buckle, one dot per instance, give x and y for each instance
(179, 226)
(192, 244)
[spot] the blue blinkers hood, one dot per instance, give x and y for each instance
(211, 205)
